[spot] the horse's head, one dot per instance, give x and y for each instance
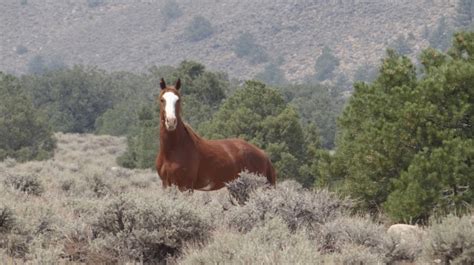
(170, 106)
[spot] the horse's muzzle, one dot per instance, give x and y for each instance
(170, 124)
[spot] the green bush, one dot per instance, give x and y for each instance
(198, 29)
(143, 142)
(451, 241)
(171, 10)
(25, 135)
(325, 64)
(72, 98)
(245, 46)
(272, 74)
(405, 143)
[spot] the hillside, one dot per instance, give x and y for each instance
(132, 35)
(80, 208)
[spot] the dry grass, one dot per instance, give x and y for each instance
(90, 211)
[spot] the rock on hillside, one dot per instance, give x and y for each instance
(132, 35)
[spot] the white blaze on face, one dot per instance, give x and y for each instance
(170, 110)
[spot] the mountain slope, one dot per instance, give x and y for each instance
(132, 35)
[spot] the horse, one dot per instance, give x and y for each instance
(191, 162)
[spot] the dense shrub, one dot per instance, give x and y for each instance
(317, 106)
(25, 134)
(353, 230)
(171, 10)
(29, 184)
(7, 220)
(325, 64)
(148, 231)
(241, 188)
(451, 241)
(272, 74)
(270, 243)
(245, 46)
(99, 186)
(72, 98)
(143, 142)
(198, 29)
(298, 207)
(354, 255)
(405, 143)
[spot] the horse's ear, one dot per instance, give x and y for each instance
(178, 84)
(162, 83)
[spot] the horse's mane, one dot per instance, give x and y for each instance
(194, 136)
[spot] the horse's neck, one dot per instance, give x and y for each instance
(176, 139)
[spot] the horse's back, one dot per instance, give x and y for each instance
(236, 155)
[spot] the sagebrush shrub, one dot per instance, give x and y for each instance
(148, 231)
(99, 186)
(298, 207)
(354, 255)
(17, 245)
(29, 184)
(335, 234)
(270, 243)
(67, 184)
(451, 241)
(241, 187)
(7, 219)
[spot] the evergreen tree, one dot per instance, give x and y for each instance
(272, 75)
(24, 133)
(199, 29)
(72, 98)
(325, 65)
(246, 46)
(406, 144)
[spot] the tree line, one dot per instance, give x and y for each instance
(404, 141)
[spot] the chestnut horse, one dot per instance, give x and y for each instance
(193, 163)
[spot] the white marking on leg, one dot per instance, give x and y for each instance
(208, 187)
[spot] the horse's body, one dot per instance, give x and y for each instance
(191, 162)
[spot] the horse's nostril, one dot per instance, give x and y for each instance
(171, 121)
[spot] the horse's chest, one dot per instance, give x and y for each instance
(174, 170)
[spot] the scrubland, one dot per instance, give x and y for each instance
(81, 208)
